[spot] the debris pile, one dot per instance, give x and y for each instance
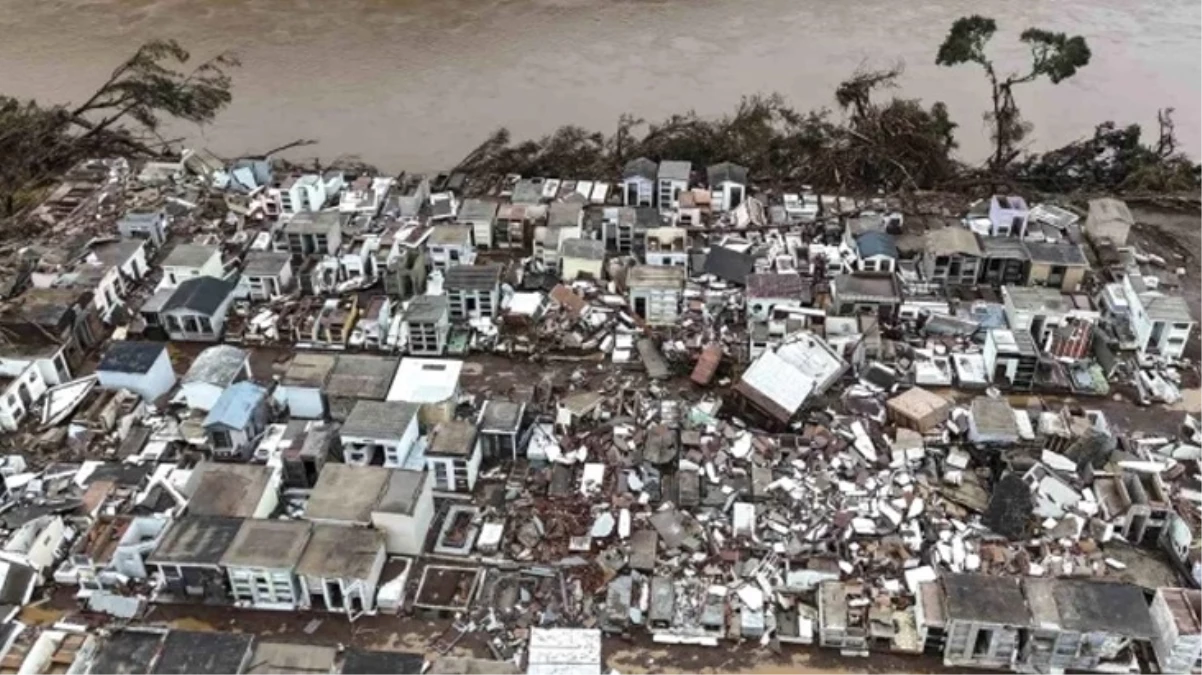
(543, 411)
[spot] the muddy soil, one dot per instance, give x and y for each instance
(1175, 235)
(414, 634)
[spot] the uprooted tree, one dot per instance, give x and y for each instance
(1115, 158)
(890, 144)
(123, 117)
(1054, 55)
(899, 144)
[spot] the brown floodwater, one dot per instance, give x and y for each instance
(417, 83)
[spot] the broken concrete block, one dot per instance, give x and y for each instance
(667, 522)
(744, 519)
(603, 525)
(643, 548)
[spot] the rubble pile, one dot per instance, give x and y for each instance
(536, 412)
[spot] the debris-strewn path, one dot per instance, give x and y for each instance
(392, 633)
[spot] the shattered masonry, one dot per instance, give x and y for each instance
(554, 411)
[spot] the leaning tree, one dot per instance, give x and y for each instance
(1053, 55)
(124, 116)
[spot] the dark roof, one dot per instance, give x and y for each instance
(427, 309)
(202, 295)
(114, 253)
(867, 285)
(646, 217)
(1056, 254)
(309, 369)
(987, 599)
(188, 652)
(477, 209)
(442, 207)
(125, 356)
(46, 307)
(127, 652)
(270, 658)
(310, 222)
(379, 419)
(361, 376)
(196, 540)
(728, 264)
(189, 255)
(18, 584)
(1009, 508)
(585, 249)
(527, 191)
(341, 551)
(365, 662)
(500, 415)
(952, 240)
(262, 542)
(347, 493)
(564, 214)
(455, 438)
(775, 286)
(265, 263)
(10, 629)
(726, 172)
(227, 489)
(1003, 247)
(673, 169)
(641, 167)
(472, 277)
(876, 243)
(120, 473)
(402, 491)
(1097, 606)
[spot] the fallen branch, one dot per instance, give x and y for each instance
(299, 143)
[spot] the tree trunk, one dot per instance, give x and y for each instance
(999, 132)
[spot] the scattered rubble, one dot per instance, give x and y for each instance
(551, 411)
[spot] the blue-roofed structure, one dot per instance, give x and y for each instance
(871, 244)
(239, 416)
(236, 405)
(876, 252)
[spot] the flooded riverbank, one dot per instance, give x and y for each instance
(417, 83)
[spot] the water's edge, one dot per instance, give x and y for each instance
(417, 83)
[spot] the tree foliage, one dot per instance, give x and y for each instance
(146, 87)
(1053, 55)
(124, 116)
(1115, 158)
(867, 143)
(966, 41)
(896, 145)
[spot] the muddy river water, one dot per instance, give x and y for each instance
(416, 83)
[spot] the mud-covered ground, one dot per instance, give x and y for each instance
(1175, 235)
(419, 635)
